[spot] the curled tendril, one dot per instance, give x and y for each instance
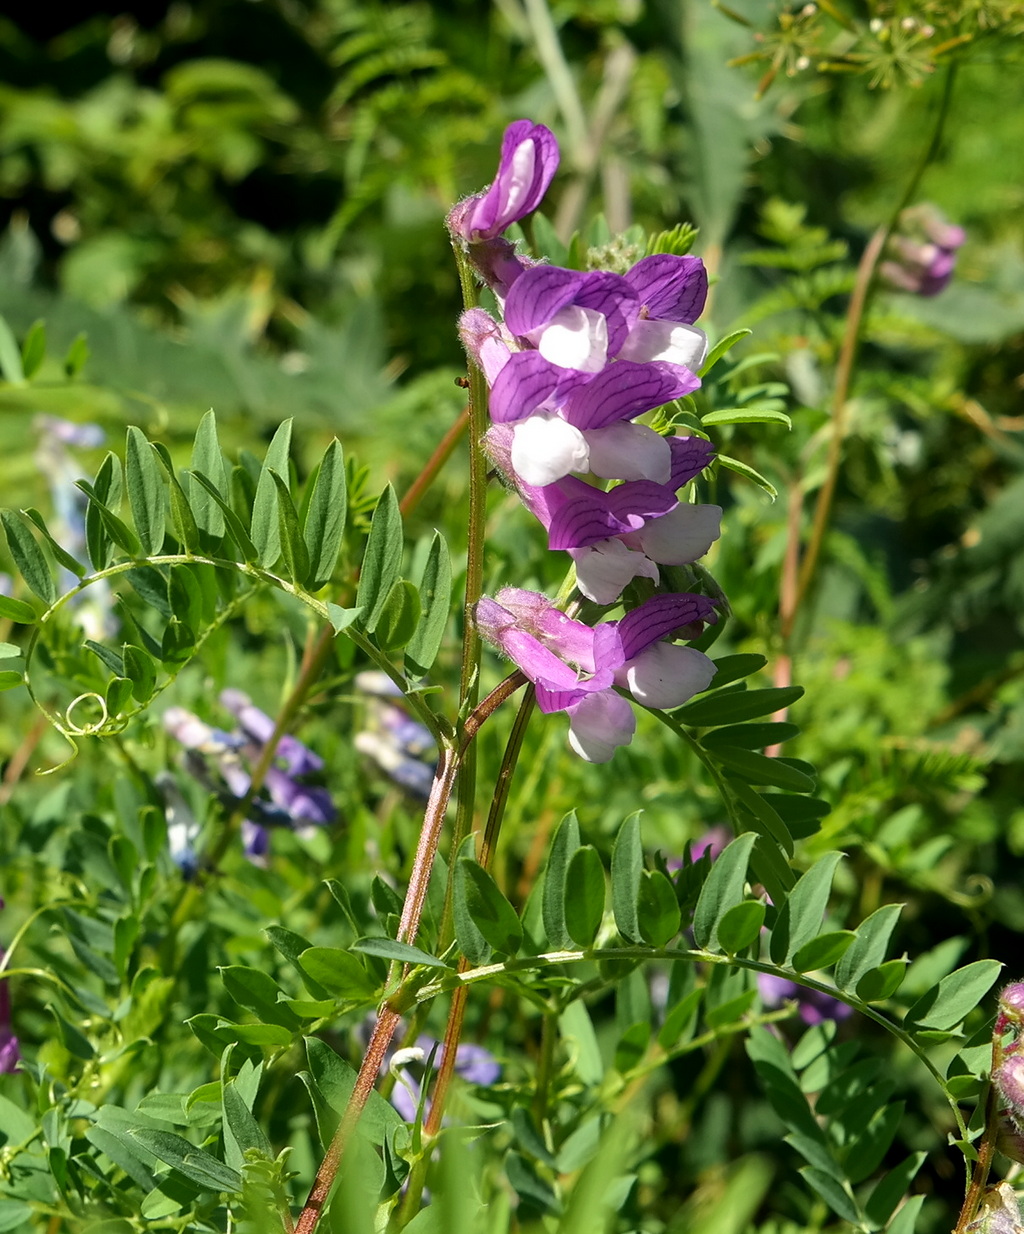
(978, 890)
(71, 729)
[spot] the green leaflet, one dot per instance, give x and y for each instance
(564, 845)
(723, 889)
(324, 526)
(382, 559)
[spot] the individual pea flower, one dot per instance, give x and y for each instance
(814, 1006)
(575, 668)
(627, 532)
(921, 254)
(528, 162)
(1010, 1013)
(473, 1063)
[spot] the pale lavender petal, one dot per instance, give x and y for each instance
(545, 448)
(624, 390)
(666, 675)
(599, 724)
(682, 535)
(659, 617)
(690, 455)
(575, 338)
(670, 287)
(669, 341)
(626, 451)
(604, 569)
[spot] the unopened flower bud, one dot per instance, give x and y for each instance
(1008, 1078)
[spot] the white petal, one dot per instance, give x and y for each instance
(666, 675)
(603, 569)
(575, 338)
(682, 535)
(599, 724)
(518, 184)
(545, 448)
(666, 340)
(626, 451)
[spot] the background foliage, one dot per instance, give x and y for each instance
(241, 205)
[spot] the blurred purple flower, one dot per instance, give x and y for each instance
(712, 842)
(214, 757)
(473, 1063)
(814, 1006)
(10, 1052)
(921, 255)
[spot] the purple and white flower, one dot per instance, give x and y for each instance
(575, 668)
(528, 162)
(627, 532)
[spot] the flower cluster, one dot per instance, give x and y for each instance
(576, 359)
(921, 255)
(222, 762)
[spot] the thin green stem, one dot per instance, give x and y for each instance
(855, 317)
(553, 959)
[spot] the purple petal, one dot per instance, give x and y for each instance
(529, 160)
(610, 295)
(657, 618)
(690, 455)
(476, 1064)
(528, 383)
(670, 288)
(550, 701)
(538, 294)
(624, 390)
(585, 520)
(641, 499)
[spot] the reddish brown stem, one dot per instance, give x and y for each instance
(437, 460)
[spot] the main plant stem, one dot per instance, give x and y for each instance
(457, 1010)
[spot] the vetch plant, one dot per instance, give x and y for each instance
(591, 398)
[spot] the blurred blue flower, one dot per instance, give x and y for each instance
(403, 748)
(93, 606)
(473, 1063)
